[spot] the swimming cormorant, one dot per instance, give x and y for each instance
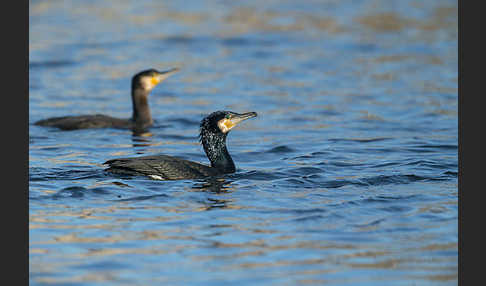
(142, 83)
(213, 131)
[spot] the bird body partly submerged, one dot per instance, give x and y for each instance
(213, 131)
(86, 121)
(142, 83)
(161, 167)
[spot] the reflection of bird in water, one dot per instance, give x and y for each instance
(142, 83)
(141, 140)
(213, 131)
(214, 185)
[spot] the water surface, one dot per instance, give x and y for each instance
(348, 176)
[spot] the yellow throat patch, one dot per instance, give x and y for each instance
(154, 80)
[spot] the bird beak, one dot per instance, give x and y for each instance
(165, 74)
(237, 118)
(227, 124)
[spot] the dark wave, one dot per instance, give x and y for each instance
(40, 174)
(179, 137)
(281, 149)
(259, 175)
(143, 198)
(316, 181)
(50, 64)
(73, 192)
(359, 140)
(394, 179)
(432, 164)
(244, 42)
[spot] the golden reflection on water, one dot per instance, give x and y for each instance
(182, 241)
(91, 277)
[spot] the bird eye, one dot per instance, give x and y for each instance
(227, 116)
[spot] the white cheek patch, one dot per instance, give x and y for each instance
(147, 83)
(225, 125)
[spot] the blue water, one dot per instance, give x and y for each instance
(348, 176)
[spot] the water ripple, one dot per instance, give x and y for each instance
(350, 176)
(41, 174)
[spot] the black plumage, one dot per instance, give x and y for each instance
(213, 132)
(142, 84)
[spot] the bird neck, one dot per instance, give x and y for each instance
(218, 155)
(141, 111)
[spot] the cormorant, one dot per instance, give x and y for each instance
(142, 83)
(213, 131)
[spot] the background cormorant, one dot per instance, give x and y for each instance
(142, 83)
